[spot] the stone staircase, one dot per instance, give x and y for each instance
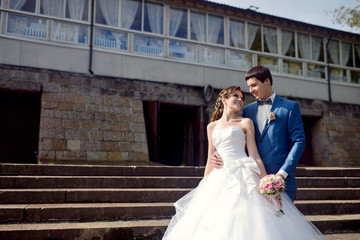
(122, 202)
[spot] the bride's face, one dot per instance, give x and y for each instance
(234, 101)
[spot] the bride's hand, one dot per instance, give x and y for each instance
(278, 200)
(216, 161)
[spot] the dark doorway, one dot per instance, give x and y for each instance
(175, 134)
(307, 157)
(19, 127)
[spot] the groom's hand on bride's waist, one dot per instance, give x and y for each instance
(216, 160)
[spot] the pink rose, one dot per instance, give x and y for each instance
(278, 185)
(269, 186)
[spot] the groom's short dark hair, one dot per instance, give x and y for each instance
(260, 73)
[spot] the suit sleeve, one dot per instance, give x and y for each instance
(296, 139)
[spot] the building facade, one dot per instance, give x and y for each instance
(134, 81)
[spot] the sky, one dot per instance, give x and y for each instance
(308, 11)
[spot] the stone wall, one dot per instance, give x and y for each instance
(336, 136)
(94, 119)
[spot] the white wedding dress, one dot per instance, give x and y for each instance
(226, 205)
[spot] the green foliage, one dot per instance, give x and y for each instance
(347, 16)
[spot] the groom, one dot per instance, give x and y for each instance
(279, 132)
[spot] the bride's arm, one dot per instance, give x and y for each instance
(251, 145)
(209, 167)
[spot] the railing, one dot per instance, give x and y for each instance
(150, 49)
(35, 32)
(105, 43)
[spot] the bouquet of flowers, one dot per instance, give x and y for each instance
(271, 186)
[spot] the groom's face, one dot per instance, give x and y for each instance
(260, 90)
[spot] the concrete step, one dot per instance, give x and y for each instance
(8, 182)
(91, 195)
(105, 170)
(328, 207)
(125, 202)
(96, 170)
(328, 182)
(336, 223)
(108, 195)
(27, 213)
(143, 229)
(343, 236)
(72, 212)
(327, 193)
(327, 172)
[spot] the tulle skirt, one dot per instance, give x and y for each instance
(226, 205)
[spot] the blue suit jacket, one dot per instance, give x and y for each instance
(282, 141)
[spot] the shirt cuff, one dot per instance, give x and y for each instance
(283, 173)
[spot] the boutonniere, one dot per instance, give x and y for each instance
(271, 117)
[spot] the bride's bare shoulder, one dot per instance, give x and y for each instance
(211, 125)
(246, 121)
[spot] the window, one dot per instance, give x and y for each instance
(311, 50)
(110, 39)
(26, 26)
(215, 29)
(334, 57)
(317, 49)
(182, 50)
(269, 62)
(149, 45)
(288, 43)
(198, 26)
(254, 37)
(52, 8)
(304, 46)
(292, 67)
(107, 12)
(131, 14)
(270, 40)
(237, 34)
(315, 71)
(212, 55)
(357, 56)
(153, 18)
(355, 77)
(23, 5)
(346, 54)
(338, 74)
(77, 10)
(68, 32)
(178, 23)
(240, 60)
(73, 9)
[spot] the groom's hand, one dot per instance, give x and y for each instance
(280, 175)
(216, 161)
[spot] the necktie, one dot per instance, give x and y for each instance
(261, 102)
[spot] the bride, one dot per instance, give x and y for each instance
(226, 205)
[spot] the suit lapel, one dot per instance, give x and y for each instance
(252, 116)
(275, 108)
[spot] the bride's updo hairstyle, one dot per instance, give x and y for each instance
(224, 94)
